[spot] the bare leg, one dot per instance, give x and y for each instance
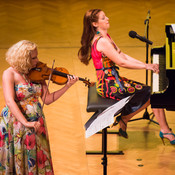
(126, 118)
(161, 118)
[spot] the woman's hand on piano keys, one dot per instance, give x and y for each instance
(153, 67)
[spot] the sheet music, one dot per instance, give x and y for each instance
(173, 27)
(106, 118)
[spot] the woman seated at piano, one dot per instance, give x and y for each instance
(107, 58)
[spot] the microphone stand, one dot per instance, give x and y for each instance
(147, 45)
(146, 115)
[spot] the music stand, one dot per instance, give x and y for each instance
(146, 115)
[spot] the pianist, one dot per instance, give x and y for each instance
(106, 56)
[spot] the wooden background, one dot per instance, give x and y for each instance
(56, 27)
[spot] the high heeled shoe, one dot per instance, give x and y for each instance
(121, 131)
(172, 132)
(162, 136)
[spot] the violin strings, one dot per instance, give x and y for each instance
(50, 76)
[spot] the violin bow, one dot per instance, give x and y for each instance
(50, 76)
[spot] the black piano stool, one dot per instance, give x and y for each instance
(97, 104)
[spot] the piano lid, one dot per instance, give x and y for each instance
(170, 46)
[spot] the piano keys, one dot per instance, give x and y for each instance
(163, 85)
(159, 81)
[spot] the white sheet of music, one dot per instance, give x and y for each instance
(155, 87)
(106, 118)
(173, 26)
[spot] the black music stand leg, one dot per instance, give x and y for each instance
(146, 116)
(104, 150)
(151, 119)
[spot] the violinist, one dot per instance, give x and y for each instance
(24, 144)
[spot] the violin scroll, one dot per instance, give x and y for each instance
(87, 82)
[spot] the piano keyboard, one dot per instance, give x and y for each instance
(164, 84)
(155, 76)
(159, 81)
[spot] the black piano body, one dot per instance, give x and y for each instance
(163, 95)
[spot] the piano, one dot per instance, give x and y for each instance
(163, 84)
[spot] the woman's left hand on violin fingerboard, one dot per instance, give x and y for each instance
(71, 80)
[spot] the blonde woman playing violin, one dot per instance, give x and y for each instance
(24, 147)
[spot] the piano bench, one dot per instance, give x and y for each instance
(97, 104)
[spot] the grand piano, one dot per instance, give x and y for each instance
(163, 84)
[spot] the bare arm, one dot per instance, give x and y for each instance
(49, 98)
(9, 95)
(122, 59)
(131, 58)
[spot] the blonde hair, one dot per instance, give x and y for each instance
(19, 55)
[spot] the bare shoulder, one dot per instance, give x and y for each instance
(8, 71)
(103, 40)
(8, 74)
(103, 44)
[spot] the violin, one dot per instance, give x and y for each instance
(58, 75)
